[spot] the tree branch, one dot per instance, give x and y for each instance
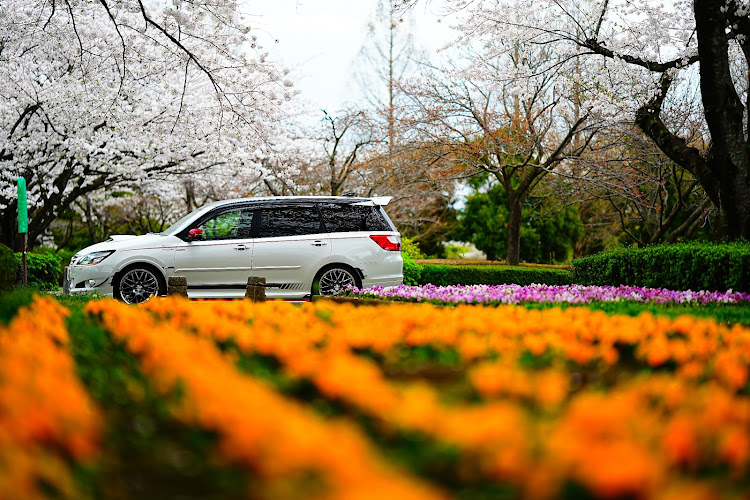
(648, 120)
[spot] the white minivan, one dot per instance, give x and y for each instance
(301, 245)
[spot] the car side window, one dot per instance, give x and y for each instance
(289, 221)
(228, 226)
(340, 218)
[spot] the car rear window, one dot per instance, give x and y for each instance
(346, 218)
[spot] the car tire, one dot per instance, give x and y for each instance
(138, 283)
(334, 279)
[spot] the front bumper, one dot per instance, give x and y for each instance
(88, 279)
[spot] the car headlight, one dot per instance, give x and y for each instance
(93, 258)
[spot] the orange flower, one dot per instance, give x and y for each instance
(731, 370)
(680, 441)
(734, 448)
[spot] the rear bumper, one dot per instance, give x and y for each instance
(382, 282)
(388, 272)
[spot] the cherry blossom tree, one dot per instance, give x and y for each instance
(643, 55)
(96, 93)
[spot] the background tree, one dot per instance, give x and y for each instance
(502, 116)
(655, 200)
(549, 229)
(387, 59)
(345, 143)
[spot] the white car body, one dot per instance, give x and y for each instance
(251, 237)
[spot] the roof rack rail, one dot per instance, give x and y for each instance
(351, 195)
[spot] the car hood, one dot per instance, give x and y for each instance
(131, 242)
(121, 237)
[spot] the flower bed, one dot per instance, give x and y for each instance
(327, 400)
(572, 294)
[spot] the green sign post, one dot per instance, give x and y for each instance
(23, 221)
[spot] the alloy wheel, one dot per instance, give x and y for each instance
(138, 285)
(335, 280)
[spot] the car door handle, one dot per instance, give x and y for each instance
(240, 247)
(319, 243)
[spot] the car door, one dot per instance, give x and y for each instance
(290, 247)
(219, 263)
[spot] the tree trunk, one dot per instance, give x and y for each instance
(728, 158)
(515, 205)
(9, 227)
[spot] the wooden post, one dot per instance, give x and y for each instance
(23, 222)
(23, 259)
(256, 289)
(177, 285)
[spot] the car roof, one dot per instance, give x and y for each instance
(376, 200)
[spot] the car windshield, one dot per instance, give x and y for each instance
(177, 226)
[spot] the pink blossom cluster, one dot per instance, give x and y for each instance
(573, 294)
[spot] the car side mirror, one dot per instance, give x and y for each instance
(195, 234)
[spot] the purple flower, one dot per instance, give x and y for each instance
(572, 294)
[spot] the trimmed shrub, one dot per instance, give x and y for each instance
(468, 262)
(43, 270)
(442, 275)
(409, 248)
(684, 266)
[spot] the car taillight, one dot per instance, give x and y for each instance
(387, 242)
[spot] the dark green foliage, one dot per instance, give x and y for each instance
(684, 266)
(7, 267)
(548, 232)
(43, 270)
(443, 275)
(723, 313)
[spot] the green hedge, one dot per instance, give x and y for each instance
(684, 266)
(410, 252)
(443, 275)
(412, 271)
(43, 270)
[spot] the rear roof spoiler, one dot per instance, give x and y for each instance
(377, 200)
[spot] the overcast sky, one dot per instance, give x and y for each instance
(319, 40)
